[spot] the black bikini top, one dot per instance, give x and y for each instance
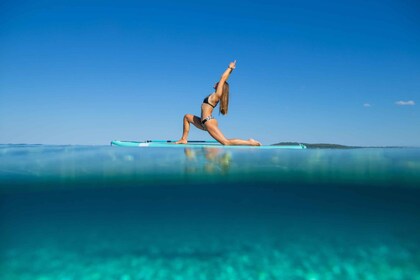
(206, 101)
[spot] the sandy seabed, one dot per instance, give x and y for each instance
(235, 253)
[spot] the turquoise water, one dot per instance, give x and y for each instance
(89, 212)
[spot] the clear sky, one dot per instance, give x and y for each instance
(87, 72)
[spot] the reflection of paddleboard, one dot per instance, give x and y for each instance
(196, 144)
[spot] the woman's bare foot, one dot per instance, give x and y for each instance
(254, 142)
(181, 141)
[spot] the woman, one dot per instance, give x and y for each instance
(207, 122)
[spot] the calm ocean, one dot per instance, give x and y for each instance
(93, 212)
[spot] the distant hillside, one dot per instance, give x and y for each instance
(318, 146)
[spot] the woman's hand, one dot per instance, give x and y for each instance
(232, 65)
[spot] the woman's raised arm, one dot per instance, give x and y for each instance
(224, 78)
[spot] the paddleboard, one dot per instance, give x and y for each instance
(195, 144)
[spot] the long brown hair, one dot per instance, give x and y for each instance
(224, 100)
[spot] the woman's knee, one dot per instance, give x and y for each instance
(225, 142)
(216, 134)
(188, 117)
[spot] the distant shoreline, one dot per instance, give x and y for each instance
(332, 146)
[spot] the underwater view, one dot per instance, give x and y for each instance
(101, 212)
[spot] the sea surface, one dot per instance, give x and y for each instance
(100, 212)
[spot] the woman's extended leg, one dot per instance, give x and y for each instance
(213, 129)
(188, 118)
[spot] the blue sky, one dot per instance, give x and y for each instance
(87, 72)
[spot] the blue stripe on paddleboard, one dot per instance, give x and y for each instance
(196, 144)
(189, 142)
